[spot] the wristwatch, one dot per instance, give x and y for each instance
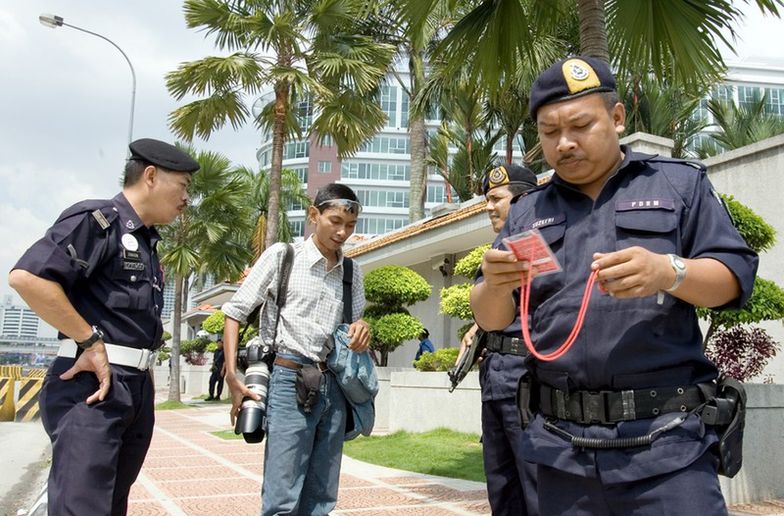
(679, 266)
(92, 339)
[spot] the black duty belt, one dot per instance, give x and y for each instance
(499, 343)
(607, 407)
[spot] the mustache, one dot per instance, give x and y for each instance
(569, 157)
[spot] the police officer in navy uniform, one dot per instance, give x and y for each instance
(96, 277)
(616, 426)
(509, 476)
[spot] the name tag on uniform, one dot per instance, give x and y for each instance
(133, 266)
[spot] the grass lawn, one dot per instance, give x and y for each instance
(438, 452)
(226, 434)
(171, 405)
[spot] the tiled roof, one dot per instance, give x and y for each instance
(417, 228)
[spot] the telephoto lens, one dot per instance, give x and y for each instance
(253, 414)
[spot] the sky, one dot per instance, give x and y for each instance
(65, 100)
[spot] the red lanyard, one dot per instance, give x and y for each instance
(525, 296)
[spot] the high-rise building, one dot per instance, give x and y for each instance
(17, 321)
(379, 172)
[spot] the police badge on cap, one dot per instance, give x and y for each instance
(570, 78)
(508, 174)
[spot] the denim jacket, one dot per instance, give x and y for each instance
(357, 378)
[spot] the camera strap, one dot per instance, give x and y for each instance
(280, 299)
(348, 280)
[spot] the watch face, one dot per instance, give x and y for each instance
(679, 263)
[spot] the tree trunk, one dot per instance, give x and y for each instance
(509, 143)
(418, 135)
(174, 370)
(593, 29)
(278, 141)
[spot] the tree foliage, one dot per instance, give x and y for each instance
(455, 301)
(738, 348)
(395, 286)
(214, 323)
(440, 360)
(390, 289)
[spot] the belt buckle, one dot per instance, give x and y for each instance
(147, 359)
(593, 407)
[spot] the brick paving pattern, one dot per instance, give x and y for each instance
(189, 471)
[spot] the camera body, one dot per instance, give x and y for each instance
(255, 361)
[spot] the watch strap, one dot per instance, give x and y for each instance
(92, 339)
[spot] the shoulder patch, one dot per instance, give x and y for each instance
(99, 217)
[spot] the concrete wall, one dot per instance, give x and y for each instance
(418, 402)
(763, 456)
(194, 380)
(753, 175)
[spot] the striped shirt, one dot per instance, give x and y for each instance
(314, 300)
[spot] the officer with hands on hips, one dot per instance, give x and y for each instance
(626, 393)
(509, 476)
(95, 276)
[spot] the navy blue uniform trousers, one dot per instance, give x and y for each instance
(693, 490)
(102, 445)
(509, 477)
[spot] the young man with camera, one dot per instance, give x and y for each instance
(304, 441)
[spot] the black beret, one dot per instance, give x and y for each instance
(570, 78)
(163, 155)
(508, 174)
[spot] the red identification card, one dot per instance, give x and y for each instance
(531, 247)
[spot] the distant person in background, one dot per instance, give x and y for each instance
(217, 372)
(425, 346)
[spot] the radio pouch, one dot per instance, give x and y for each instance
(307, 385)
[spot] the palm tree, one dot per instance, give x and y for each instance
(209, 237)
(739, 126)
(670, 38)
(292, 195)
(297, 49)
(663, 109)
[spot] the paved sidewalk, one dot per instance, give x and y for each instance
(189, 471)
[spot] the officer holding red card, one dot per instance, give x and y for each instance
(616, 426)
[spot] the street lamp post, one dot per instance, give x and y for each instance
(52, 21)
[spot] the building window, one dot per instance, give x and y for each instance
(386, 145)
(377, 171)
(377, 226)
(325, 167)
(383, 198)
(304, 113)
(302, 174)
(404, 110)
(389, 104)
(297, 228)
(294, 150)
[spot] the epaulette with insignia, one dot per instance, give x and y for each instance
(100, 209)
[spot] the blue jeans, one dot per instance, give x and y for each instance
(303, 451)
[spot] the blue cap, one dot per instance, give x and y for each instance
(508, 174)
(568, 79)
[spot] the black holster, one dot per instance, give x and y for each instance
(726, 412)
(307, 386)
(527, 395)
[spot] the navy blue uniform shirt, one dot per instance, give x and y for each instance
(106, 261)
(665, 206)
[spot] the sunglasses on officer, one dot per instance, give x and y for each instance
(348, 205)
